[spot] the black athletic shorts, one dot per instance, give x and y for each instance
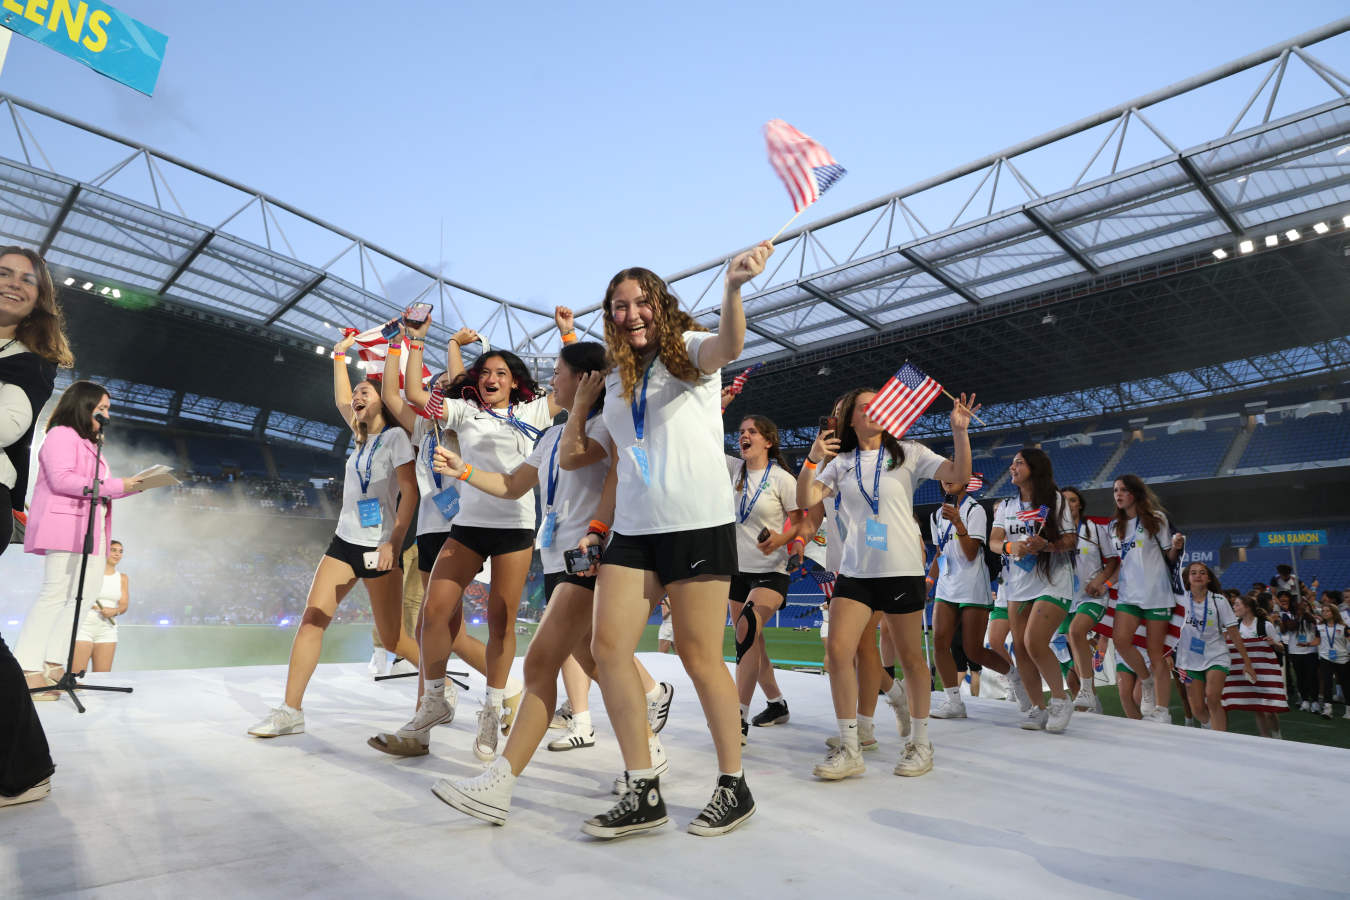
(553, 579)
(355, 556)
(742, 583)
(490, 542)
(676, 555)
(894, 595)
(428, 548)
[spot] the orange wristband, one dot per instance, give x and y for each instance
(468, 470)
(597, 527)
(570, 337)
(808, 464)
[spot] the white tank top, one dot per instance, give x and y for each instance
(110, 595)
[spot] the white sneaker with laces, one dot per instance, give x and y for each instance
(901, 710)
(414, 738)
(949, 709)
(658, 710)
(1161, 714)
(576, 737)
(1034, 719)
(838, 764)
(1086, 700)
(1061, 710)
(1019, 690)
(485, 744)
(282, 720)
(486, 796)
(867, 738)
(378, 661)
(1148, 698)
(916, 760)
(660, 765)
(562, 715)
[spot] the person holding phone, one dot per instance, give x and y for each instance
(1096, 562)
(668, 503)
(883, 562)
(1148, 549)
(765, 494)
(564, 632)
(1202, 650)
(435, 514)
(379, 498)
(1034, 534)
(961, 589)
(498, 413)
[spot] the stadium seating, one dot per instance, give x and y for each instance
(210, 455)
(1166, 457)
(1321, 438)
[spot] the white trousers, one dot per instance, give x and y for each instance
(45, 636)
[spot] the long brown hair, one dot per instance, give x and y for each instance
(44, 329)
(1214, 586)
(75, 409)
(669, 321)
(1146, 506)
(1044, 492)
(764, 425)
(848, 438)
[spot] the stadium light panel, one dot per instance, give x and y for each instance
(88, 285)
(1246, 247)
(68, 282)
(1345, 220)
(1321, 228)
(106, 291)
(1272, 240)
(1292, 234)
(1220, 253)
(117, 295)
(318, 349)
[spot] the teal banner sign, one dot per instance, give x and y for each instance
(1292, 538)
(92, 32)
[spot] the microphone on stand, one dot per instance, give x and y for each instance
(101, 419)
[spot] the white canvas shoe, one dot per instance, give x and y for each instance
(838, 764)
(282, 720)
(486, 796)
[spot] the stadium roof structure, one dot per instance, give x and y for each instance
(1177, 259)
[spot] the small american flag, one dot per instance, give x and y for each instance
(807, 169)
(976, 482)
(903, 399)
(1034, 515)
(825, 580)
(738, 383)
(435, 404)
(373, 350)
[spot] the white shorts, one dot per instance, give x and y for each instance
(666, 633)
(96, 630)
(824, 630)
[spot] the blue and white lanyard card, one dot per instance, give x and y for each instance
(876, 529)
(638, 452)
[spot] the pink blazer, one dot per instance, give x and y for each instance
(59, 513)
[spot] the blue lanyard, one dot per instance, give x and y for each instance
(429, 446)
(523, 427)
(1205, 621)
(553, 472)
(1330, 634)
(944, 539)
(370, 462)
(638, 407)
(873, 501)
(747, 508)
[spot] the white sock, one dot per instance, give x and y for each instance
(778, 699)
(919, 730)
(848, 733)
(435, 687)
(739, 773)
(655, 693)
(864, 722)
(289, 708)
(745, 711)
(648, 774)
(583, 718)
(954, 693)
(495, 697)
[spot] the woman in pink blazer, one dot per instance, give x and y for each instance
(57, 520)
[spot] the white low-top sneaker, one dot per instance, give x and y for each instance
(282, 720)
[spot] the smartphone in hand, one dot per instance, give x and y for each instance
(417, 314)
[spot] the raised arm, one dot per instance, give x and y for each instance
(810, 492)
(509, 485)
(575, 449)
(726, 345)
(413, 388)
(957, 469)
(394, 405)
(342, 382)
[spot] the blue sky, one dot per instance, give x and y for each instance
(559, 143)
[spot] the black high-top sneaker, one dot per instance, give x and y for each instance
(730, 806)
(640, 808)
(776, 713)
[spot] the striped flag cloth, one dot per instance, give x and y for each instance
(903, 399)
(435, 404)
(976, 482)
(373, 350)
(1034, 515)
(807, 169)
(825, 580)
(1267, 695)
(1105, 627)
(738, 383)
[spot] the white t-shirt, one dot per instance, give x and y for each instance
(429, 518)
(834, 537)
(1144, 579)
(893, 492)
(682, 437)
(1206, 621)
(380, 456)
(770, 509)
(1253, 631)
(1094, 548)
(962, 580)
(1022, 585)
(1299, 641)
(575, 494)
(1333, 638)
(488, 440)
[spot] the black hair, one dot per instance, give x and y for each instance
(465, 386)
(584, 357)
(75, 409)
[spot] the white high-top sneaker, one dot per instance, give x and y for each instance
(486, 796)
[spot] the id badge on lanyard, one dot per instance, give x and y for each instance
(550, 527)
(447, 498)
(369, 512)
(368, 509)
(447, 502)
(638, 452)
(875, 537)
(1198, 641)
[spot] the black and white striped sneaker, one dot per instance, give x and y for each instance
(730, 806)
(576, 736)
(658, 710)
(640, 808)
